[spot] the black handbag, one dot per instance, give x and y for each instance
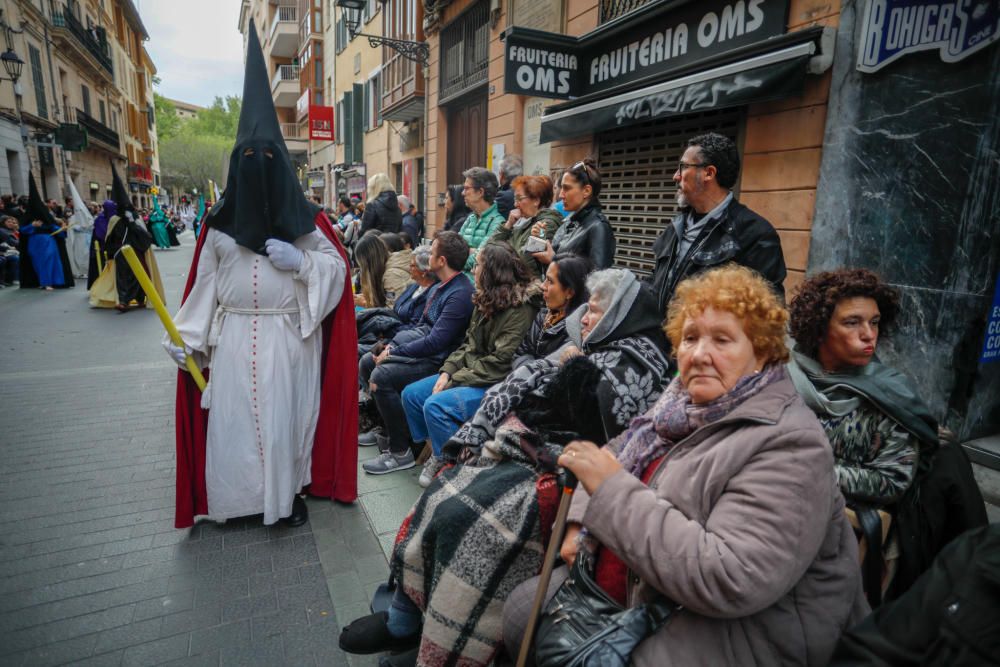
(583, 627)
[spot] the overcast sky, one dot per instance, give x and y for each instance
(196, 47)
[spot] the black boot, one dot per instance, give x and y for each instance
(408, 659)
(299, 515)
(369, 634)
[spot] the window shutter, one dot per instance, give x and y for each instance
(368, 105)
(39, 81)
(348, 128)
(377, 94)
(358, 100)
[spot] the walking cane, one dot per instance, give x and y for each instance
(558, 531)
(97, 256)
(161, 310)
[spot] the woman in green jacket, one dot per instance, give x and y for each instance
(479, 191)
(506, 301)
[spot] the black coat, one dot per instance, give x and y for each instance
(738, 235)
(505, 200)
(587, 233)
(949, 618)
(383, 214)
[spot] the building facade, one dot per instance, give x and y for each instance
(185, 110)
(85, 73)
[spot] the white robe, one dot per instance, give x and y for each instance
(264, 388)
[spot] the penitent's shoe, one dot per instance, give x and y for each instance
(369, 634)
(407, 659)
(387, 462)
(299, 515)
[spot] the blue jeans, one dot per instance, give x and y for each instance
(438, 416)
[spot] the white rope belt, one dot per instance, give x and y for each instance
(222, 311)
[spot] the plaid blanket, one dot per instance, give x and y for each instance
(472, 537)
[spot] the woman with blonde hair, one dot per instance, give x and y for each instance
(382, 211)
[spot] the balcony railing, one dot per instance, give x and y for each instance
(291, 131)
(612, 9)
(98, 130)
(94, 40)
(285, 73)
(465, 51)
(285, 14)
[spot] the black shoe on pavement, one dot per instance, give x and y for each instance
(408, 659)
(299, 515)
(369, 634)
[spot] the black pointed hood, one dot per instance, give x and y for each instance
(36, 208)
(263, 198)
(119, 193)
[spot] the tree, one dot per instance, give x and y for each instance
(166, 119)
(221, 119)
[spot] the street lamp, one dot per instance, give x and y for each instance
(418, 52)
(12, 64)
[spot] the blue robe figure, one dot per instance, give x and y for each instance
(44, 261)
(44, 255)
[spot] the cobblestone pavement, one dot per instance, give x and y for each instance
(92, 571)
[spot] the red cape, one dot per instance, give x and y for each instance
(335, 447)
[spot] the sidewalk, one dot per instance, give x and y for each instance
(92, 571)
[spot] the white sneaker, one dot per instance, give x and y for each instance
(431, 468)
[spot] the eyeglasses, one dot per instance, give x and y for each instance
(681, 166)
(520, 197)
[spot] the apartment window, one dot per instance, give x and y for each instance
(318, 98)
(100, 108)
(318, 73)
(114, 120)
(86, 99)
(340, 35)
(371, 9)
(373, 102)
(338, 123)
(38, 81)
(318, 21)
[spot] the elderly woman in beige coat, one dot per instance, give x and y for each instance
(722, 498)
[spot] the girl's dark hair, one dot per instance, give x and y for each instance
(817, 297)
(346, 202)
(586, 173)
(459, 211)
(503, 278)
(392, 241)
(371, 256)
(573, 272)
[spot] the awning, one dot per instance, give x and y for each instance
(773, 75)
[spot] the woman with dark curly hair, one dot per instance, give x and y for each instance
(506, 301)
(876, 422)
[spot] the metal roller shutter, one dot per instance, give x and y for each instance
(637, 169)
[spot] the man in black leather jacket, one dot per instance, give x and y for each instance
(712, 228)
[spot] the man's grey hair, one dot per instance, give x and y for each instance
(511, 167)
(602, 286)
(422, 256)
(404, 201)
(485, 180)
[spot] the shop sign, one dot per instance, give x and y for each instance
(557, 66)
(894, 28)
(991, 346)
(316, 180)
(320, 123)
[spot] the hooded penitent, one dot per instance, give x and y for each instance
(40, 251)
(78, 244)
(120, 194)
(263, 197)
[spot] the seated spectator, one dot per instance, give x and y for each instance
(479, 191)
(721, 499)
(455, 210)
(563, 290)
(381, 213)
(586, 231)
(417, 351)
(882, 434)
(397, 267)
(506, 301)
(9, 257)
(531, 199)
(372, 257)
(381, 324)
(527, 417)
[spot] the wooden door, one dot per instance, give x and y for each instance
(466, 136)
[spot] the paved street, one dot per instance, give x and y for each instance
(92, 571)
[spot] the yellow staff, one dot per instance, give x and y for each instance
(97, 255)
(62, 229)
(161, 310)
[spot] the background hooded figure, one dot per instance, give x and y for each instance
(117, 287)
(44, 262)
(261, 311)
